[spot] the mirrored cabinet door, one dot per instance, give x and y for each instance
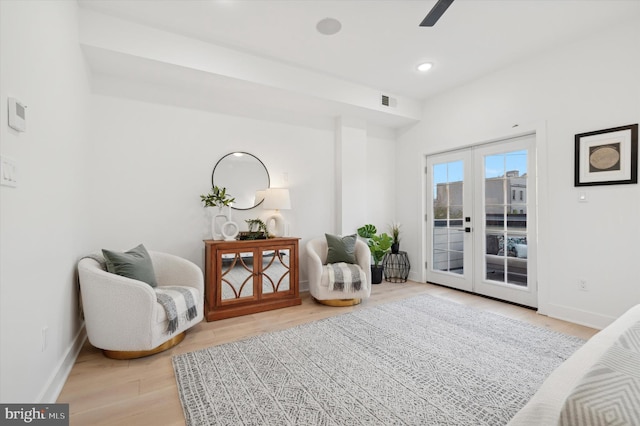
(276, 271)
(236, 275)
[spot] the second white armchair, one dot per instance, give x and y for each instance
(317, 250)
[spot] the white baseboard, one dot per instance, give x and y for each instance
(578, 316)
(57, 380)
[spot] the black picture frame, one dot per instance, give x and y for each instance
(607, 157)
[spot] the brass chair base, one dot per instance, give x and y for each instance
(139, 354)
(340, 302)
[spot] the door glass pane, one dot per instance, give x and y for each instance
(456, 262)
(447, 224)
(516, 246)
(506, 217)
(440, 211)
(517, 272)
(440, 260)
(494, 166)
(517, 219)
(516, 165)
(494, 217)
(494, 190)
(494, 268)
(439, 174)
(455, 172)
(455, 212)
(456, 240)
(493, 243)
(440, 238)
(455, 193)
(516, 161)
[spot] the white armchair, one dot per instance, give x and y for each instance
(317, 250)
(123, 316)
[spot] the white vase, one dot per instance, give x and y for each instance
(218, 218)
(229, 231)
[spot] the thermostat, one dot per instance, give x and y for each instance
(17, 115)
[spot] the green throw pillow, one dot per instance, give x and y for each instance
(341, 249)
(135, 264)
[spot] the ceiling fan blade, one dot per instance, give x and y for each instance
(432, 17)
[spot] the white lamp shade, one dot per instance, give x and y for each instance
(276, 199)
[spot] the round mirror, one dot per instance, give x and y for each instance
(243, 175)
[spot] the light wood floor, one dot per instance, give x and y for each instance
(101, 391)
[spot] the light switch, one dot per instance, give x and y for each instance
(8, 172)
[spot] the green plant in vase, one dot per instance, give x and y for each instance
(257, 230)
(217, 197)
(395, 235)
(367, 231)
(379, 245)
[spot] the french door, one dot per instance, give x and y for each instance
(481, 231)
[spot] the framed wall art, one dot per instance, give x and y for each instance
(607, 157)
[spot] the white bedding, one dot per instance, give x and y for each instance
(545, 406)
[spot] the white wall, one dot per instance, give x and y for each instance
(589, 85)
(102, 171)
(351, 174)
(150, 163)
(381, 182)
(44, 220)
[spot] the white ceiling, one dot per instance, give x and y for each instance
(381, 43)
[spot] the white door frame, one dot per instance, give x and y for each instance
(542, 224)
(526, 295)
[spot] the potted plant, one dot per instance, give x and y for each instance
(217, 197)
(379, 245)
(395, 235)
(257, 230)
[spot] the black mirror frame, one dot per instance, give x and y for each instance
(244, 153)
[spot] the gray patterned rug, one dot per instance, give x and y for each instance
(420, 361)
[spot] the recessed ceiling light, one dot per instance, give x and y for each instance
(328, 26)
(424, 67)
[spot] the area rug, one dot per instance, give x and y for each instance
(420, 361)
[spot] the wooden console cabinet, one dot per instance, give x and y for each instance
(244, 277)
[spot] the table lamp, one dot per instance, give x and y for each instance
(276, 199)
